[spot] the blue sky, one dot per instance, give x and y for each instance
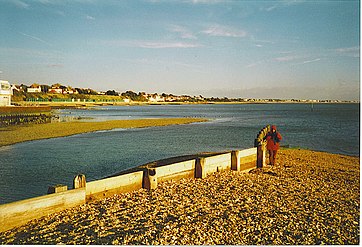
(252, 49)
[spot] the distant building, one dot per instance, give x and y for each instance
(155, 98)
(55, 90)
(34, 88)
(70, 90)
(5, 93)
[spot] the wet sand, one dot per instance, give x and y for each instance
(308, 198)
(21, 133)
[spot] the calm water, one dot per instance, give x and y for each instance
(27, 169)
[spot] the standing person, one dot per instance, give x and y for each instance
(273, 138)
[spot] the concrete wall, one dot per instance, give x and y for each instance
(208, 165)
(18, 213)
(185, 169)
(218, 163)
(109, 186)
(247, 159)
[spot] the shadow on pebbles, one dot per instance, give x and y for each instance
(307, 198)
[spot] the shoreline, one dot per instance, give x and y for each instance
(308, 198)
(22, 133)
(137, 103)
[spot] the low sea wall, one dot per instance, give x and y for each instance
(113, 185)
(18, 213)
(146, 176)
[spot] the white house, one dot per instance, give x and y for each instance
(5, 93)
(155, 98)
(34, 89)
(55, 90)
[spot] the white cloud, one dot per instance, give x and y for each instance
(35, 38)
(88, 17)
(20, 4)
(291, 58)
(222, 31)
(184, 32)
(286, 58)
(152, 44)
(253, 64)
(282, 4)
(21, 52)
(161, 45)
(311, 61)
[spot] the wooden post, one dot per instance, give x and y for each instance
(260, 143)
(263, 149)
(235, 161)
(150, 179)
(259, 156)
(199, 168)
(79, 181)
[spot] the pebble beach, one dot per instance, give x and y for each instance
(308, 198)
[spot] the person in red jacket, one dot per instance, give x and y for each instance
(272, 144)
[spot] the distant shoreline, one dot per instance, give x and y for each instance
(22, 133)
(136, 103)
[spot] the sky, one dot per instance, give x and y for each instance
(214, 48)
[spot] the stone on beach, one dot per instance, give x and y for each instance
(308, 198)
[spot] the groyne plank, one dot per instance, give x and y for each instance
(20, 212)
(217, 163)
(247, 159)
(185, 169)
(119, 184)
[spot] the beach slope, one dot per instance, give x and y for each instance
(308, 198)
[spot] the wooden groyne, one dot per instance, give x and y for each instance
(14, 115)
(309, 198)
(147, 176)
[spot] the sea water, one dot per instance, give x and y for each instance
(29, 168)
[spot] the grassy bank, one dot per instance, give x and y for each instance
(16, 134)
(309, 198)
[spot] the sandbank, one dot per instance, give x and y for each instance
(22, 133)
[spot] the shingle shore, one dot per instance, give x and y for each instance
(308, 198)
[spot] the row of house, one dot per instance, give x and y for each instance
(60, 89)
(56, 88)
(169, 98)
